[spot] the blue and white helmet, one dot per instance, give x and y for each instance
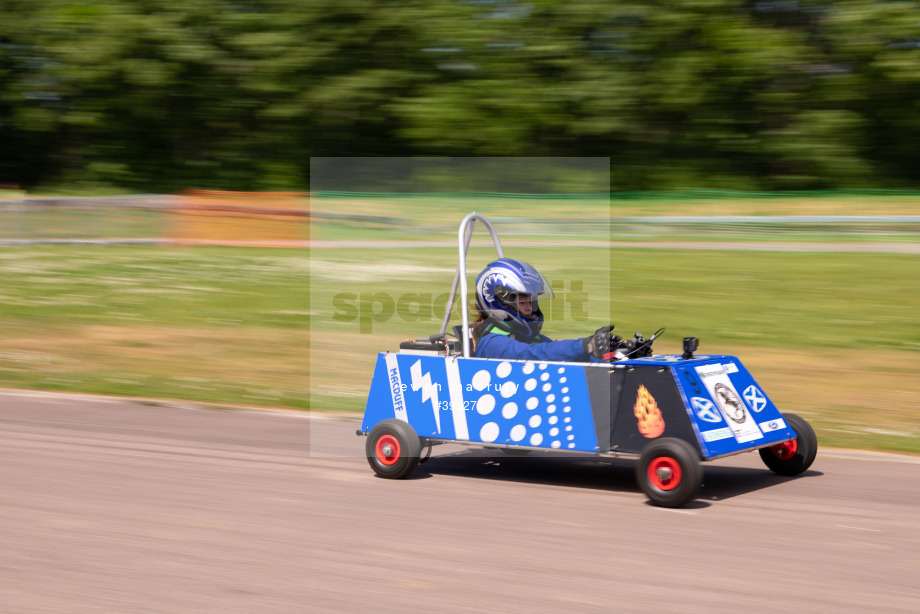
(498, 287)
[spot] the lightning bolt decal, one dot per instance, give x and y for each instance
(429, 390)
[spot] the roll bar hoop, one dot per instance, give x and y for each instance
(463, 236)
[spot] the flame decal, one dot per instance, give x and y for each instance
(650, 420)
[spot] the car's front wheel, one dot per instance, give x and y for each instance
(669, 472)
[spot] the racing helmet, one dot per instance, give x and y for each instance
(498, 288)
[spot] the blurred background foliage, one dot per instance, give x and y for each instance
(158, 95)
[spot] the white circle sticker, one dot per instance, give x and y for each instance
(489, 432)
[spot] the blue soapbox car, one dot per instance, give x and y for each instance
(669, 411)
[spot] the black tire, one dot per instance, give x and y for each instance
(669, 472)
(792, 457)
(393, 448)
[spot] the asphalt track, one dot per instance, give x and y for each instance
(113, 506)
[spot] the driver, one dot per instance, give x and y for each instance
(510, 320)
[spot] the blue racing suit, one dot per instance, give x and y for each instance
(496, 342)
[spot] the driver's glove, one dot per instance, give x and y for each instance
(601, 343)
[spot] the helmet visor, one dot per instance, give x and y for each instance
(532, 283)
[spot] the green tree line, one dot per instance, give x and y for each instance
(160, 95)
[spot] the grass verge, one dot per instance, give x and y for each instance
(833, 337)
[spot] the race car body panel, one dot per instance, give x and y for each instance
(502, 402)
(711, 402)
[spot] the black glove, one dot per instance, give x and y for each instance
(602, 343)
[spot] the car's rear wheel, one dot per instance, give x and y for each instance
(393, 448)
(794, 456)
(669, 472)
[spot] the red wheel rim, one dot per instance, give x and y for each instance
(785, 451)
(664, 473)
(388, 450)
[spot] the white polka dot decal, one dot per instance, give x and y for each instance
(536, 403)
(481, 380)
